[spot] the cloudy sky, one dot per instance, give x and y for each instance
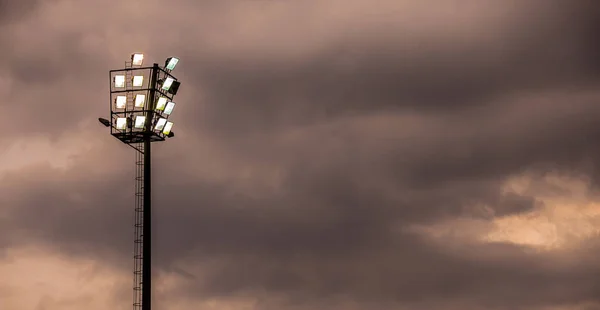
(330, 154)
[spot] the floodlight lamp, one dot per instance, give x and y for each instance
(167, 83)
(174, 88)
(171, 63)
(121, 123)
(137, 59)
(138, 80)
(140, 121)
(120, 102)
(168, 127)
(140, 100)
(160, 125)
(169, 108)
(104, 121)
(161, 103)
(119, 81)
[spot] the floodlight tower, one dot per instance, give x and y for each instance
(141, 101)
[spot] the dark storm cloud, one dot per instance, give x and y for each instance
(369, 137)
(11, 10)
(542, 49)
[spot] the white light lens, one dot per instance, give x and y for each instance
(119, 81)
(162, 102)
(140, 121)
(140, 100)
(172, 63)
(169, 108)
(121, 123)
(138, 80)
(137, 59)
(120, 102)
(168, 127)
(160, 124)
(167, 83)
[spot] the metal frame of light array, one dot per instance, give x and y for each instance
(130, 99)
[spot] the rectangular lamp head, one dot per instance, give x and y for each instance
(174, 88)
(168, 127)
(171, 63)
(167, 83)
(169, 108)
(138, 80)
(161, 103)
(160, 125)
(120, 102)
(140, 100)
(119, 81)
(121, 123)
(137, 59)
(140, 121)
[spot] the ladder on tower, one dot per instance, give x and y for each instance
(138, 228)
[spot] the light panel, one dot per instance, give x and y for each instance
(138, 80)
(169, 108)
(167, 83)
(121, 123)
(161, 103)
(137, 59)
(171, 63)
(121, 102)
(160, 125)
(140, 121)
(140, 100)
(168, 127)
(119, 81)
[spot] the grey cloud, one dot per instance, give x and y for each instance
(538, 52)
(11, 10)
(368, 139)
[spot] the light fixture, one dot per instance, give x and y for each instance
(104, 121)
(140, 120)
(138, 80)
(171, 63)
(167, 83)
(169, 108)
(137, 59)
(119, 81)
(168, 127)
(140, 100)
(121, 102)
(121, 123)
(174, 88)
(161, 103)
(160, 124)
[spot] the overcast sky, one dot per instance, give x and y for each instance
(329, 154)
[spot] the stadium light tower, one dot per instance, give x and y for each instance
(141, 101)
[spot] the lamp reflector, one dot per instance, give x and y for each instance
(140, 100)
(138, 80)
(160, 125)
(120, 102)
(121, 123)
(161, 104)
(171, 63)
(169, 108)
(168, 127)
(167, 83)
(140, 120)
(119, 81)
(137, 59)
